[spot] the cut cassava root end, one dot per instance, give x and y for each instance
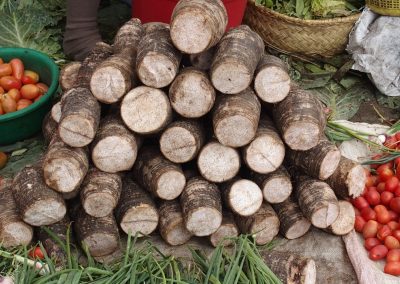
(68, 75)
(225, 232)
(345, 221)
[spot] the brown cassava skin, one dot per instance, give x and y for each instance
(115, 148)
(218, 163)
(64, 167)
(13, 230)
(192, 94)
(271, 79)
(114, 77)
(157, 61)
(182, 140)
(99, 235)
(146, 110)
(344, 184)
(69, 74)
(226, 232)
(100, 192)
(235, 118)
(128, 36)
(158, 175)
(80, 117)
(263, 225)
(317, 201)
(197, 25)
(319, 162)
(203, 60)
(290, 268)
(276, 186)
(49, 128)
(300, 119)
(201, 206)
(136, 212)
(344, 223)
(293, 224)
(236, 59)
(172, 226)
(266, 152)
(37, 203)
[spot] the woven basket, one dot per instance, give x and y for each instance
(385, 7)
(312, 38)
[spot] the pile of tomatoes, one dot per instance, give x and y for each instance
(377, 214)
(19, 88)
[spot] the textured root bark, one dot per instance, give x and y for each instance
(37, 204)
(158, 60)
(192, 94)
(80, 117)
(276, 186)
(236, 59)
(146, 110)
(218, 163)
(266, 152)
(49, 128)
(317, 201)
(319, 162)
(56, 112)
(136, 212)
(271, 79)
(201, 205)
(344, 223)
(203, 60)
(69, 74)
(225, 232)
(182, 141)
(158, 175)
(263, 225)
(236, 118)
(128, 36)
(348, 181)
(300, 119)
(114, 148)
(197, 25)
(172, 226)
(293, 224)
(64, 167)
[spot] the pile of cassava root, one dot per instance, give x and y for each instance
(187, 129)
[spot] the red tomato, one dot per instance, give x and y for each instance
(378, 252)
(1, 60)
(393, 215)
(390, 142)
(396, 234)
(371, 243)
(36, 253)
(23, 103)
(373, 197)
(392, 243)
(393, 225)
(1, 91)
(15, 94)
(393, 255)
(381, 187)
(370, 181)
(38, 98)
(395, 204)
(360, 203)
(397, 160)
(43, 87)
(370, 229)
(392, 268)
(386, 197)
(392, 183)
(10, 82)
(368, 214)
(356, 211)
(382, 214)
(364, 191)
(359, 224)
(398, 171)
(17, 68)
(383, 232)
(385, 173)
(30, 77)
(8, 103)
(30, 91)
(5, 69)
(397, 191)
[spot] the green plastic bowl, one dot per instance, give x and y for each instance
(27, 122)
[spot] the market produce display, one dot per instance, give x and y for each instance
(19, 88)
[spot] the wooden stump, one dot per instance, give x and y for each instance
(192, 94)
(266, 152)
(128, 36)
(271, 79)
(203, 60)
(197, 25)
(225, 232)
(68, 75)
(146, 110)
(276, 186)
(218, 163)
(172, 225)
(236, 59)
(201, 206)
(136, 212)
(158, 175)
(344, 223)
(157, 61)
(114, 148)
(235, 118)
(182, 140)
(300, 119)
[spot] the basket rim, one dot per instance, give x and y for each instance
(317, 22)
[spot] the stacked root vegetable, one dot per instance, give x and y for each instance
(187, 129)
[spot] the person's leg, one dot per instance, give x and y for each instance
(81, 32)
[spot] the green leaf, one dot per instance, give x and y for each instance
(299, 8)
